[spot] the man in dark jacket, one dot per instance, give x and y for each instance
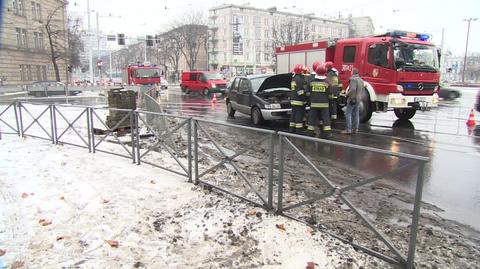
(297, 99)
(354, 97)
(319, 91)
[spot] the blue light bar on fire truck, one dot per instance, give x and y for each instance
(404, 34)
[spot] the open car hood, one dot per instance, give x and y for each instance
(276, 81)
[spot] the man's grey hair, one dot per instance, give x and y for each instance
(354, 71)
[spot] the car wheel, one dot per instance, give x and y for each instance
(184, 89)
(452, 95)
(256, 116)
(205, 92)
(404, 113)
(230, 110)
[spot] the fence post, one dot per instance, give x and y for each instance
(280, 175)
(137, 135)
(195, 149)
(54, 123)
(21, 118)
(16, 116)
(189, 144)
(92, 129)
(89, 131)
(51, 123)
(415, 217)
(132, 128)
(270, 171)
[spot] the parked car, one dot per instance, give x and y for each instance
(205, 82)
(263, 97)
(448, 93)
(477, 103)
(48, 88)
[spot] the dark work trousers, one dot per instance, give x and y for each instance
(316, 114)
(298, 114)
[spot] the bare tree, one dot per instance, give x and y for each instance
(191, 35)
(290, 31)
(171, 49)
(75, 42)
(55, 30)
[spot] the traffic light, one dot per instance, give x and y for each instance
(149, 40)
(157, 39)
(69, 68)
(121, 39)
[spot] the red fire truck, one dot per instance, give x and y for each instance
(141, 75)
(400, 69)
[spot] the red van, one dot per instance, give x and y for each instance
(205, 82)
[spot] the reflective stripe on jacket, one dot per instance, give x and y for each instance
(319, 92)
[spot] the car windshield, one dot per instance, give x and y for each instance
(147, 73)
(256, 82)
(415, 57)
(213, 76)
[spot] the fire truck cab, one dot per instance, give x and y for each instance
(143, 74)
(400, 69)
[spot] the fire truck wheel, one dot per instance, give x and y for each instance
(404, 113)
(365, 107)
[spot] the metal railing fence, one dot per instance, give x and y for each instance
(53, 125)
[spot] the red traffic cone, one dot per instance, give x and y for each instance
(214, 99)
(471, 119)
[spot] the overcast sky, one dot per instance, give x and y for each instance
(142, 17)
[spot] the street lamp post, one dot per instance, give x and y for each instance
(466, 47)
(90, 52)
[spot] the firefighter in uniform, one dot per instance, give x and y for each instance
(297, 99)
(319, 102)
(335, 88)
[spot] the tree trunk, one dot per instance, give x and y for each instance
(52, 52)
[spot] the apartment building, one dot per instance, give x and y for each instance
(24, 47)
(242, 39)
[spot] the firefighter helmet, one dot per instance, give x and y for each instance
(328, 65)
(315, 65)
(298, 69)
(321, 70)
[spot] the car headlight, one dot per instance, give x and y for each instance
(400, 88)
(272, 106)
(213, 85)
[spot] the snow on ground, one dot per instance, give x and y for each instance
(60, 205)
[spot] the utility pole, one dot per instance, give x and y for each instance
(98, 48)
(90, 52)
(466, 47)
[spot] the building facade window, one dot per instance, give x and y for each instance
(44, 72)
(38, 40)
(39, 72)
(24, 38)
(29, 72)
(19, 37)
(23, 72)
(21, 8)
(36, 14)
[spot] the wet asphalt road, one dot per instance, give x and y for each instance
(452, 177)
